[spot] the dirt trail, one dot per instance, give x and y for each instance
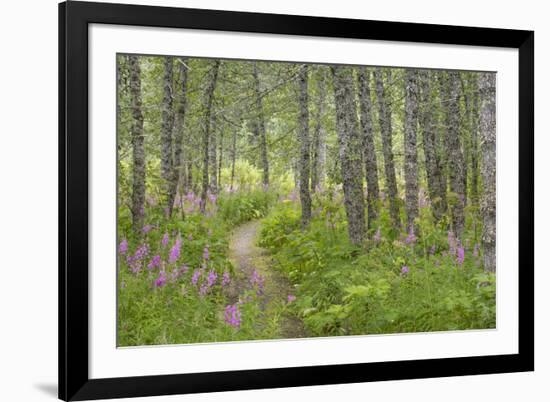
(247, 257)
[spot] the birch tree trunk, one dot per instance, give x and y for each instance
(319, 141)
(369, 153)
(456, 158)
(488, 169)
(179, 126)
(411, 157)
(303, 137)
(167, 124)
(474, 154)
(261, 128)
(213, 158)
(386, 131)
(233, 157)
(207, 108)
(220, 158)
(350, 146)
(138, 151)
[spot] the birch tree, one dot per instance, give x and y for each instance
(456, 158)
(437, 186)
(303, 137)
(138, 150)
(167, 124)
(179, 126)
(319, 134)
(207, 111)
(350, 145)
(411, 156)
(385, 116)
(260, 126)
(369, 154)
(488, 169)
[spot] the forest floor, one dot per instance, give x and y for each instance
(247, 256)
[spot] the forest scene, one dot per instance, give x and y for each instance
(277, 200)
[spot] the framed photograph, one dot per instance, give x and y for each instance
(259, 201)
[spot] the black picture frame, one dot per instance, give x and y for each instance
(74, 381)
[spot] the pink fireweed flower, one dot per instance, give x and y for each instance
(155, 262)
(161, 280)
(147, 228)
(141, 252)
(203, 289)
(256, 280)
(460, 255)
(134, 261)
(212, 276)
(226, 279)
(175, 251)
(233, 315)
(175, 274)
(411, 238)
(196, 275)
(165, 240)
(404, 270)
(205, 254)
(290, 298)
(123, 247)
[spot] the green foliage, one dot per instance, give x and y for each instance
(345, 291)
(240, 207)
(176, 311)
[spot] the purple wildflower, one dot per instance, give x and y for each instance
(134, 261)
(203, 289)
(183, 269)
(196, 276)
(212, 198)
(141, 252)
(233, 315)
(212, 276)
(165, 240)
(257, 280)
(123, 247)
(161, 280)
(404, 270)
(205, 254)
(147, 228)
(175, 274)
(154, 263)
(460, 255)
(175, 251)
(411, 238)
(290, 298)
(226, 279)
